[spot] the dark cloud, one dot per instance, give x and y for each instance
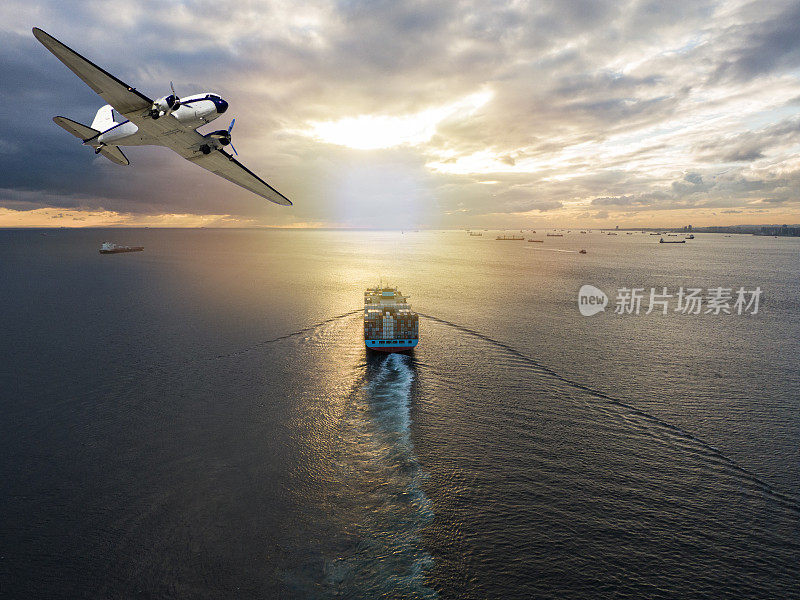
(751, 145)
(765, 46)
(692, 183)
(693, 178)
(695, 191)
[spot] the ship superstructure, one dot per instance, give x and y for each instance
(389, 323)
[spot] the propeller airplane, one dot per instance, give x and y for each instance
(132, 119)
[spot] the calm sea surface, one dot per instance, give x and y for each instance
(201, 419)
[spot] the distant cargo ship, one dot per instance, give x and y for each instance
(555, 235)
(389, 323)
(510, 237)
(109, 248)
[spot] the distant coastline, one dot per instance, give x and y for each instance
(766, 230)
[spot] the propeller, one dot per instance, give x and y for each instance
(173, 102)
(223, 137)
(229, 137)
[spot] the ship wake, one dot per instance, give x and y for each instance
(380, 473)
(645, 423)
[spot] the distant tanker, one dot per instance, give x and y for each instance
(389, 323)
(109, 248)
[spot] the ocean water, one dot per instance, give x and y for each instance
(202, 420)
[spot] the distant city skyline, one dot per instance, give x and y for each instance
(442, 115)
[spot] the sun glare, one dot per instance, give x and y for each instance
(371, 132)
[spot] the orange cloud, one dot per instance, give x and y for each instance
(62, 217)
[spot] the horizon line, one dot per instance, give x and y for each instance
(614, 227)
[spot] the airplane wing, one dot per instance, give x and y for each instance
(121, 96)
(223, 164)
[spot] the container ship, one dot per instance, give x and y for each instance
(389, 323)
(109, 248)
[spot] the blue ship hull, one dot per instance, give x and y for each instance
(391, 345)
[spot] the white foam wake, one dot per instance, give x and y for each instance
(390, 559)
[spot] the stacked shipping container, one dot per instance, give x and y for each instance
(389, 322)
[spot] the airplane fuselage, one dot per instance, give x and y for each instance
(194, 111)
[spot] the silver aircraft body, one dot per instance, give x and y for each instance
(132, 119)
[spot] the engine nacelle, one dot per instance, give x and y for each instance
(165, 105)
(215, 140)
(222, 136)
(218, 139)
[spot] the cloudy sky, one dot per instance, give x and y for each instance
(419, 114)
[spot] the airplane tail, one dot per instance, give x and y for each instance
(104, 119)
(114, 154)
(84, 133)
